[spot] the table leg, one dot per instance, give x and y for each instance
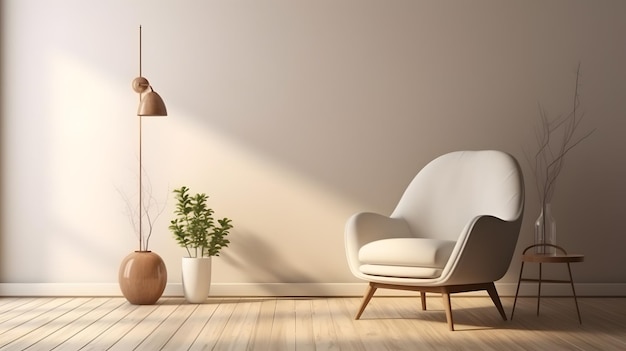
(571, 280)
(519, 281)
(539, 289)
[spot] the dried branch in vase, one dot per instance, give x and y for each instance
(149, 212)
(555, 139)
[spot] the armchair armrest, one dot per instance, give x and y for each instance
(484, 251)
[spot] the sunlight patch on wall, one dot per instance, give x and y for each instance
(272, 206)
(87, 144)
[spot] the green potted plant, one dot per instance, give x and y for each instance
(196, 230)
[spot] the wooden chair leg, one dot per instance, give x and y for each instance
(445, 294)
(493, 293)
(371, 289)
(423, 298)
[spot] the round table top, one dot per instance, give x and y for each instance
(552, 258)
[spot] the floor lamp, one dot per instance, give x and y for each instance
(142, 275)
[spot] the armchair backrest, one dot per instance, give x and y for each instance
(454, 189)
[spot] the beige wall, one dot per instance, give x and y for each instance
(292, 115)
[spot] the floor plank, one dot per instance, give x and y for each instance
(236, 333)
(95, 323)
(324, 333)
(77, 323)
(345, 327)
(283, 333)
(129, 317)
(186, 334)
(305, 340)
(263, 328)
(18, 308)
(212, 330)
(26, 328)
(167, 326)
(143, 331)
(317, 323)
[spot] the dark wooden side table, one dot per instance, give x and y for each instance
(561, 256)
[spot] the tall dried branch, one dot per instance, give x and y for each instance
(149, 213)
(555, 139)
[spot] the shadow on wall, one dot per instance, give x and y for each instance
(262, 262)
(305, 102)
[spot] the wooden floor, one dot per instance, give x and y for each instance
(389, 323)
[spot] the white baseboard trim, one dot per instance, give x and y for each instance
(298, 289)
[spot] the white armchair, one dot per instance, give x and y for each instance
(454, 230)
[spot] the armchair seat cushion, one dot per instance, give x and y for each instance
(405, 257)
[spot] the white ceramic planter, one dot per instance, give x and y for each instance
(196, 278)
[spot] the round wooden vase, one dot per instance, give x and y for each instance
(196, 274)
(142, 277)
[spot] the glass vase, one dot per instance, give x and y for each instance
(545, 231)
